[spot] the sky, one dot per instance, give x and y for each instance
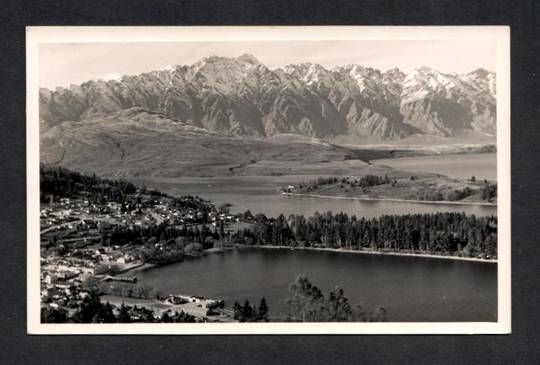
(62, 64)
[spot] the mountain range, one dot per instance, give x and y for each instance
(241, 97)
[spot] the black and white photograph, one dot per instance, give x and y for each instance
(268, 180)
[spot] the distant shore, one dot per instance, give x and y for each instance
(371, 252)
(444, 202)
(148, 266)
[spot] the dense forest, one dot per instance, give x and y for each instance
(160, 233)
(454, 234)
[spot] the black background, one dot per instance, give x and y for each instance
(521, 347)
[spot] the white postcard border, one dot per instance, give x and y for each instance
(499, 34)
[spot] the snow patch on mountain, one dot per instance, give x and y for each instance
(242, 97)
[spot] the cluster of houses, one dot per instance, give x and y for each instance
(80, 213)
(216, 217)
(68, 297)
(66, 266)
(108, 254)
(72, 249)
(61, 282)
(177, 217)
(174, 216)
(68, 273)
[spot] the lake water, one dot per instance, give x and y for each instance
(409, 288)
(463, 166)
(260, 194)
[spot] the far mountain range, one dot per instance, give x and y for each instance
(241, 97)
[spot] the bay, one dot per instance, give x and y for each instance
(409, 288)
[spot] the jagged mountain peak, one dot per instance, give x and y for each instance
(445, 104)
(426, 72)
(240, 96)
(302, 69)
(309, 73)
(363, 70)
(249, 58)
(394, 74)
(480, 72)
(244, 59)
(483, 80)
(430, 79)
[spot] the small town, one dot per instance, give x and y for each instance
(90, 243)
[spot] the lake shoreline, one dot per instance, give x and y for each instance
(147, 266)
(371, 252)
(444, 202)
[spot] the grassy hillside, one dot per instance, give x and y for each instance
(137, 142)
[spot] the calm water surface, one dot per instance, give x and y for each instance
(480, 165)
(409, 288)
(260, 194)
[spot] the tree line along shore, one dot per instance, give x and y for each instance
(91, 224)
(447, 234)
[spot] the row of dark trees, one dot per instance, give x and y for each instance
(489, 191)
(192, 202)
(370, 180)
(363, 182)
(307, 303)
(249, 313)
(448, 195)
(164, 232)
(437, 233)
(61, 182)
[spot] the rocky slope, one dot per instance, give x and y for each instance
(242, 97)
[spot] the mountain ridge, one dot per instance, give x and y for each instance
(243, 97)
